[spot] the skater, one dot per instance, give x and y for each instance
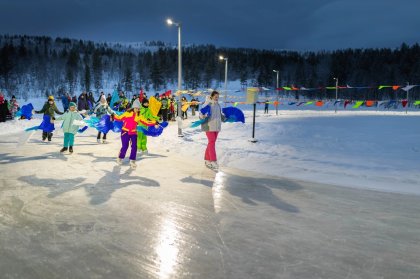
(69, 127)
(141, 137)
(90, 100)
(101, 110)
(13, 106)
(47, 124)
(266, 106)
(109, 98)
(193, 106)
(4, 110)
(172, 109)
(82, 102)
(130, 120)
(184, 108)
(212, 127)
(100, 96)
(65, 100)
(165, 108)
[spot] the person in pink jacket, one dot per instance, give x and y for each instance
(130, 120)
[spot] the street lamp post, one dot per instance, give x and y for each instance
(406, 106)
(336, 93)
(226, 68)
(178, 24)
(277, 87)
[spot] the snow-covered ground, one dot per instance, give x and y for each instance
(364, 149)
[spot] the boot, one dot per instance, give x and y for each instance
(44, 136)
(50, 136)
(71, 149)
(133, 164)
(63, 149)
(119, 161)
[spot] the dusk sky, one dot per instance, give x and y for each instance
(269, 24)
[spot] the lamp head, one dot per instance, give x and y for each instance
(221, 57)
(169, 21)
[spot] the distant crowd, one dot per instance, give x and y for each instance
(87, 102)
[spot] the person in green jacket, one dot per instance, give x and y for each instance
(69, 126)
(142, 138)
(48, 110)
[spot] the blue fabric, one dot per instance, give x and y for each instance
(233, 114)
(206, 110)
(198, 123)
(105, 124)
(26, 111)
(81, 130)
(46, 124)
(151, 131)
(92, 121)
(117, 126)
(164, 124)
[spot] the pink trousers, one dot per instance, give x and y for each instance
(210, 154)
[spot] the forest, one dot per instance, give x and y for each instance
(41, 65)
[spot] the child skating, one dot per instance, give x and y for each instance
(130, 120)
(70, 118)
(101, 110)
(141, 137)
(47, 124)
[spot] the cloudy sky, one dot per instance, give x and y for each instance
(271, 24)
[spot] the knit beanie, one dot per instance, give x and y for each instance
(136, 104)
(72, 104)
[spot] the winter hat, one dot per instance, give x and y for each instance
(103, 99)
(72, 104)
(51, 98)
(136, 104)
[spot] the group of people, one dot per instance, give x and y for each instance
(130, 113)
(9, 108)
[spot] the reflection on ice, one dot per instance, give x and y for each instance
(167, 249)
(218, 191)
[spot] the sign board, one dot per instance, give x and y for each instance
(252, 95)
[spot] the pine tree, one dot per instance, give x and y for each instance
(72, 70)
(97, 70)
(87, 77)
(156, 76)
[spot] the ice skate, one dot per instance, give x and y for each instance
(133, 164)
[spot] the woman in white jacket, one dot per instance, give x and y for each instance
(212, 127)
